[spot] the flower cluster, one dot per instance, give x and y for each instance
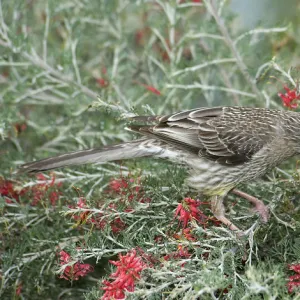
(290, 98)
(128, 189)
(103, 80)
(189, 210)
(185, 234)
(129, 268)
(9, 192)
(294, 280)
(12, 192)
(182, 252)
(39, 191)
(73, 270)
(99, 220)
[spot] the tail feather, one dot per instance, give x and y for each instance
(134, 149)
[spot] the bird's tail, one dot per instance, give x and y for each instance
(137, 148)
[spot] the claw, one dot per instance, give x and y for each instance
(260, 207)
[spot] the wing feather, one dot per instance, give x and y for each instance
(227, 135)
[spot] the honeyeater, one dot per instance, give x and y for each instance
(221, 146)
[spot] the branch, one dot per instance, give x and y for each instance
(230, 43)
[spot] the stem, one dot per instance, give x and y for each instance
(240, 63)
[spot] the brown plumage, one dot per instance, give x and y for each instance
(222, 146)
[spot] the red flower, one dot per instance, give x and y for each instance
(149, 258)
(82, 217)
(81, 203)
(188, 210)
(42, 190)
(128, 190)
(19, 289)
(74, 270)
(128, 187)
(117, 225)
(118, 185)
(20, 127)
(37, 192)
(142, 36)
(99, 220)
(181, 253)
(294, 280)
(129, 268)
(187, 234)
(102, 82)
(149, 88)
(8, 191)
(289, 99)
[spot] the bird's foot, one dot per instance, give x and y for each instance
(218, 210)
(260, 207)
(228, 223)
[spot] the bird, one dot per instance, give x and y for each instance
(221, 147)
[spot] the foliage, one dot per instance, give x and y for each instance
(71, 72)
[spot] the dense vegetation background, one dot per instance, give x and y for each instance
(70, 74)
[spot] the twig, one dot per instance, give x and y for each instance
(240, 63)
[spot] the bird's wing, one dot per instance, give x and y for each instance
(228, 135)
(236, 134)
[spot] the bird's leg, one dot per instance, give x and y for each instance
(262, 209)
(217, 208)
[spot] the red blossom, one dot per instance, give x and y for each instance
(117, 225)
(149, 88)
(74, 270)
(19, 289)
(188, 210)
(129, 188)
(149, 258)
(8, 191)
(99, 220)
(142, 36)
(81, 203)
(290, 98)
(187, 234)
(294, 280)
(83, 216)
(152, 89)
(42, 190)
(158, 238)
(118, 185)
(102, 82)
(129, 268)
(182, 252)
(36, 193)
(20, 127)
